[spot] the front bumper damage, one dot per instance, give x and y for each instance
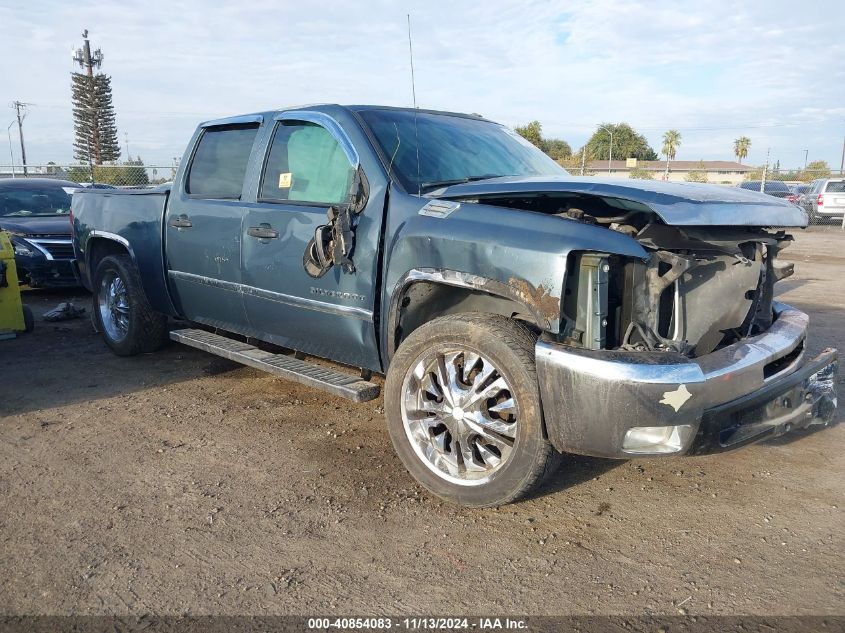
(43, 273)
(38, 267)
(623, 404)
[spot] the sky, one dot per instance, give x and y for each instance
(773, 71)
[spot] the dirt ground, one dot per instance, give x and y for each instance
(180, 483)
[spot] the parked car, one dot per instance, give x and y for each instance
(97, 185)
(825, 200)
(804, 199)
(36, 211)
(517, 311)
(796, 193)
(774, 188)
(799, 191)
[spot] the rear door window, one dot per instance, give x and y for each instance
(220, 161)
(836, 186)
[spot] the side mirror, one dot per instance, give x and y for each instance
(334, 241)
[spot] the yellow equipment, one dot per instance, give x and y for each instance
(14, 316)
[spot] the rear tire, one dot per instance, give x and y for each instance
(122, 312)
(476, 451)
(28, 319)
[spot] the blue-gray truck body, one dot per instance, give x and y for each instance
(582, 261)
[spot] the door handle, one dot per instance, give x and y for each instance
(263, 232)
(181, 222)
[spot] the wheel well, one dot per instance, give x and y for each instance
(98, 249)
(423, 301)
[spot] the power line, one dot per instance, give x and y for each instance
(11, 153)
(711, 128)
(738, 127)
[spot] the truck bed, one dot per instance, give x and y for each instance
(133, 218)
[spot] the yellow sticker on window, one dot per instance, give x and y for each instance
(285, 180)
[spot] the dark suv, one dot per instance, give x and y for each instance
(774, 188)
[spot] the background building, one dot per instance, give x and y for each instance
(717, 171)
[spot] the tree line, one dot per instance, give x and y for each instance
(628, 143)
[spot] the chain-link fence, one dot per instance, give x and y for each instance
(131, 174)
(821, 193)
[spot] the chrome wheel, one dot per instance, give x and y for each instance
(460, 415)
(113, 304)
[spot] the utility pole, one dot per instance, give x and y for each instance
(842, 166)
(11, 153)
(18, 106)
(765, 171)
(610, 155)
(583, 158)
(126, 136)
(87, 61)
(806, 154)
(91, 163)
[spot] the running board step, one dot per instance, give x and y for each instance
(337, 382)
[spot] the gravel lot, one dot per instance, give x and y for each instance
(179, 483)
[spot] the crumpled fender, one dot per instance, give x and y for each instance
(506, 252)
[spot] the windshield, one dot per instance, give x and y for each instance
(20, 202)
(452, 149)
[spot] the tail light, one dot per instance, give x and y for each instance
(820, 200)
(792, 197)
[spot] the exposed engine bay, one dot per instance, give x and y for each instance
(701, 288)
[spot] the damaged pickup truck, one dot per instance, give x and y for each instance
(517, 312)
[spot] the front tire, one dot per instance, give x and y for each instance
(463, 410)
(122, 312)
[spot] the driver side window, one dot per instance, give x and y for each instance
(306, 164)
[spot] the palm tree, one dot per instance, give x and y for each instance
(671, 142)
(741, 146)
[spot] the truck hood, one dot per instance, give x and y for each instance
(37, 225)
(676, 203)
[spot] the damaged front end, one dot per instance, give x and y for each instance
(698, 290)
(681, 351)
(684, 351)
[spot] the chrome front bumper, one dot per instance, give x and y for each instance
(757, 388)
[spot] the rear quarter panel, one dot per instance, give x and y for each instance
(133, 219)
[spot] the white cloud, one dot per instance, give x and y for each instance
(712, 70)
